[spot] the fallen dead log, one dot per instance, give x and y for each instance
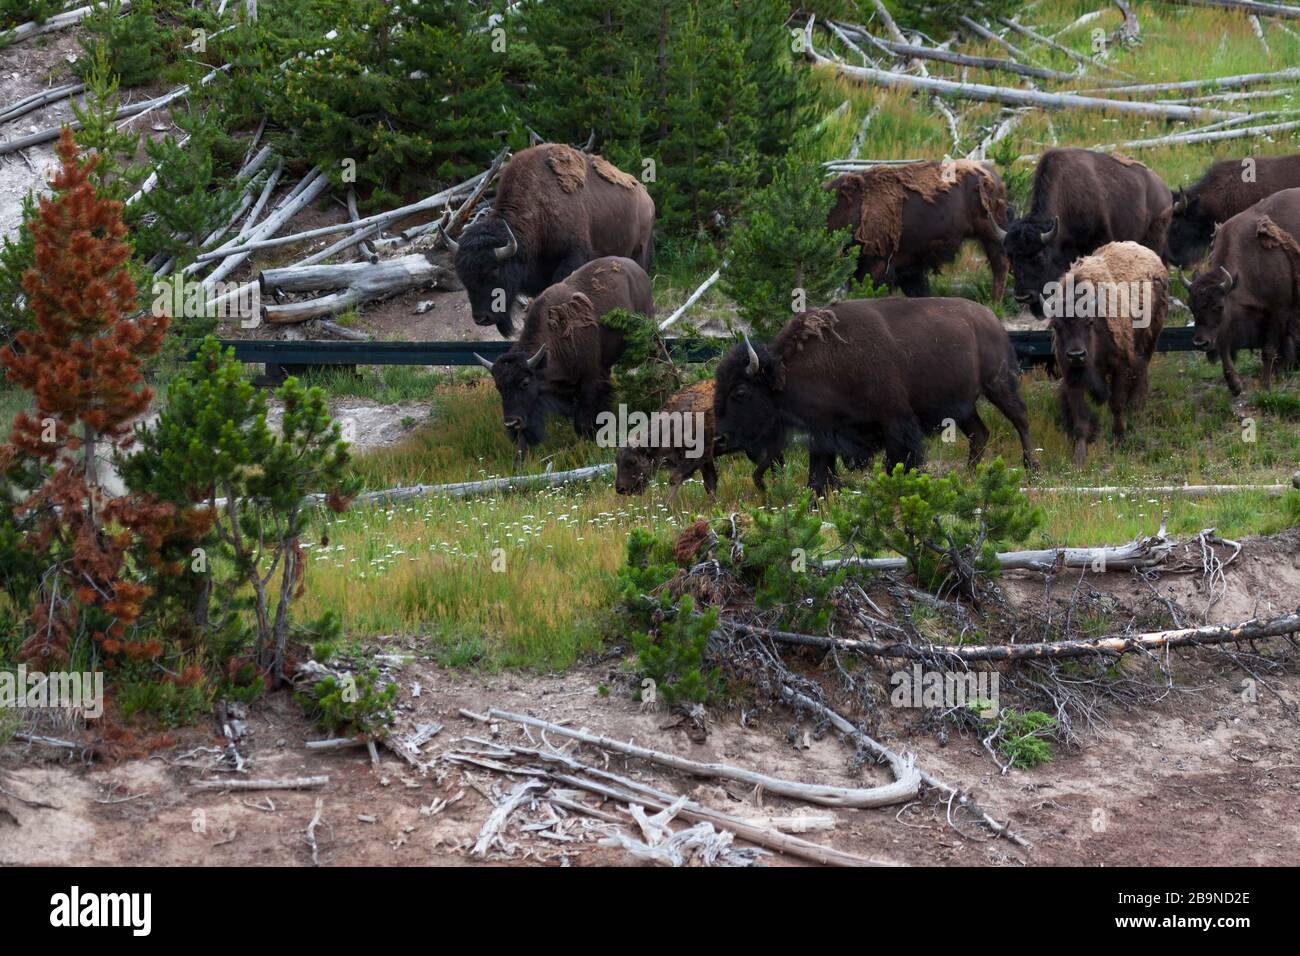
(366, 249)
(1192, 490)
(1204, 136)
(986, 34)
(36, 101)
(436, 201)
(463, 489)
(612, 786)
(1016, 97)
(124, 114)
(278, 783)
(307, 192)
(1251, 6)
(497, 819)
(912, 51)
(1139, 553)
(1130, 31)
(1213, 82)
(1112, 646)
(901, 790)
(60, 21)
(963, 799)
(336, 743)
(1083, 61)
(692, 298)
(358, 282)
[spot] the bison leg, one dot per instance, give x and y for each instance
(903, 444)
(1120, 391)
(1077, 418)
(593, 398)
(998, 263)
(914, 285)
(977, 433)
(710, 475)
(1230, 372)
(1005, 397)
(821, 471)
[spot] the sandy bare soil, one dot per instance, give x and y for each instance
(1208, 775)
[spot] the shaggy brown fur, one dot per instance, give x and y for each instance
(612, 173)
(1105, 351)
(568, 164)
(908, 220)
(1273, 236)
(1260, 308)
(637, 462)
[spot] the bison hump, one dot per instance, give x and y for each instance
(568, 165)
(612, 174)
(809, 326)
(1126, 160)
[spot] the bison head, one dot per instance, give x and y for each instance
(1208, 292)
(846, 212)
(1073, 334)
(1035, 258)
(633, 469)
(747, 404)
(492, 269)
(1190, 230)
(520, 380)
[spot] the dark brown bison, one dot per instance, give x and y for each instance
(1082, 200)
(912, 219)
(555, 209)
(1104, 332)
(1247, 296)
(564, 354)
(868, 374)
(1228, 187)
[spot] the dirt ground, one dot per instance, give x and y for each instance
(1210, 775)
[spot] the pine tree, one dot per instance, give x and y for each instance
(782, 259)
(709, 159)
(81, 363)
(211, 442)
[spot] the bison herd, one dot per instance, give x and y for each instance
(868, 376)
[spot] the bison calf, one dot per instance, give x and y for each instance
(868, 374)
(637, 462)
(1106, 317)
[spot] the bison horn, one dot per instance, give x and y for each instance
(484, 362)
(451, 243)
(510, 248)
(1048, 236)
(532, 362)
(752, 368)
(999, 232)
(1228, 281)
(1180, 201)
